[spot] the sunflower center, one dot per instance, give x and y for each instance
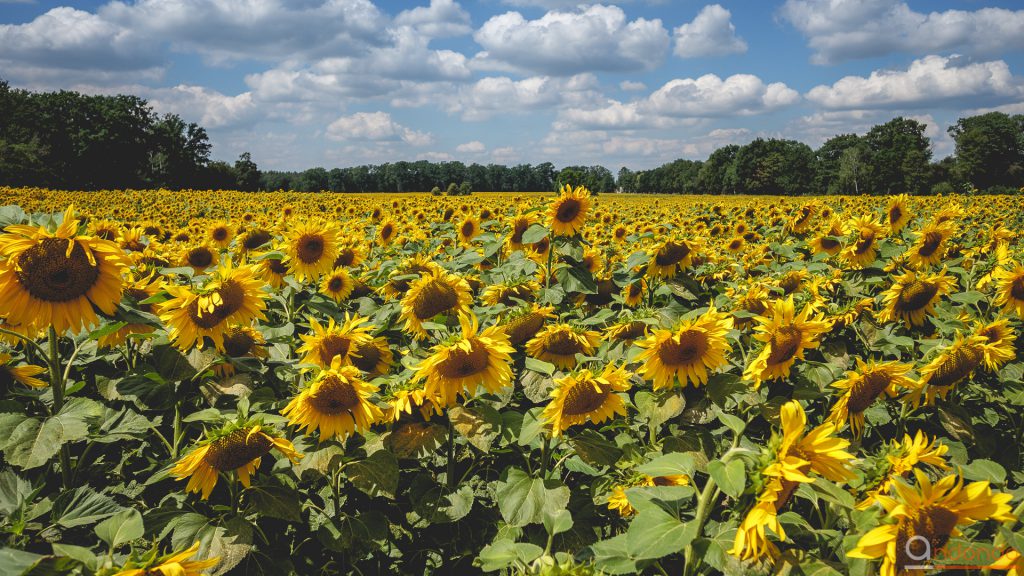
(387, 231)
(563, 344)
(220, 234)
(48, 274)
(523, 328)
(829, 243)
(919, 539)
(671, 253)
(434, 298)
(255, 239)
(1017, 289)
(238, 343)
(237, 449)
(277, 267)
(335, 284)
(520, 291)
(957, 366)
(583, 398)
(461, 363)
(468, 227)
(867, 240)
(916, 295)
(790, 283)
(789, 486)
(866, 390)
(403, 285)
(932, 241)
(895, 214)
(631, 331)
(106, 234)
(568, 210)
(784, 344)
(345, 258)
(311, 248)
(687, 347)
(366, 357)
(232, 297)
(200, 258)
(138, 295)
(333, 345)
(334, 396)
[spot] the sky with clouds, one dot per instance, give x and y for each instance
(637, 83)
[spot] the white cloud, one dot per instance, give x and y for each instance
(443, 18)
(930, 81)
(472, 147)
(375, 126)
(495, 95)
(595, 38)
(840, 30)
(505, 155)
(710, 34)
(211, 109)
(631, 86)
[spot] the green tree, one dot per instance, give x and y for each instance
(989, 150)
(899, 156)
(784, 167)
(718, 174)
(247, 173)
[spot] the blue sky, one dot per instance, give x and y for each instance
(635, 83)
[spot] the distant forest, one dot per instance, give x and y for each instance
(74, 141)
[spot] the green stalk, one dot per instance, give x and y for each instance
(707, 499)
(57, 386)
(450, 480)
(551, 256)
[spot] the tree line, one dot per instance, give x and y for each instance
(894, 157)
(70, 140)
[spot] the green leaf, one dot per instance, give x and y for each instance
(612, 556)
(82, 506)
(986, 470)
(276, 502)
(229, 538)
(414, 439)
(969, 297)
(533, 426)
(504, 553)
(522, 500)
(576, 280)
(376, 475)
(106, 330)
(535, 233)
(660, 407)
(32, 442)
(594, 449)
(121, 528)
(734, 423)
(655, 533)
(480, 424)
(14, 491)
(730, 476)
(16, 562)
(541, 366)
(557, 521)
(669, 464)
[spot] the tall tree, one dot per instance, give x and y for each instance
(899, 154)
(989, 150)
(247, 173)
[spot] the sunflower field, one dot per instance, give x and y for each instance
(282, 383)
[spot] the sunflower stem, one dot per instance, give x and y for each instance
(707, 499)
(177, 430)
(57, 387)
(450, 479)
(545, 457)
(35, 345)
(551, 256)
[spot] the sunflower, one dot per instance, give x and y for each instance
(523, 323)
(629, 327)
(241, 342)
(930, 246)
(374, 357)
(568, 212)
(463, 364)
(252, 240)
(349, 256)
(522, 289)
(560, 343)
(669, 257)
(633, 293)
(1010, 290)
(789, 459)
(865, 232)
(405, 273)
(688, 352)
(862, 387)
(619, 502)
(200, 258)
(273, 271)
(336, 403)
(230, 296)
(897, 214)
(177, 564)
(104, 229)
(136, 291)
(220, 234)
(1000, 338)
(337, 285)
(56, 278)
(237, 447)
(402, 401)
(753, 303)
(439, 292)
(311, 247)
(899, 459)
(582, 396)
(914, 296)
(735, 245)
(829, 242)
(22, 374)
(785, 335)
(132, 239)
(518, 226)
(334, 341)
(920, 520)
(467, 230)
(953, 364)
(386, 232)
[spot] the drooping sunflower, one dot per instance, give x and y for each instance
(230, 296)
(200, 258)
(785, 336)
(523, 289)
(336, 403)
(953, 364)
(465, 363)
(687, 353)
(405, 273)
(999, 347)
(253, 239)
(175, 564)
(374, 358)
(241, 342)
(788, 460)
(25, 375)
(568, 213)
(412, 396)
(1010, 290)
(522, 323)
(930, 246)
(55, 278)
(439, 292)
(897, 214)
(386, 232)
(669, 257)
(236, 447)
(862, 387)
(829, 242)
(864, 232)
(559, 344)
(633, 293)
(914, 296)
(518, 226)
(751, 304)
(311, 247)
(898, 459)
(583, 396)
(337, 285)
(334, 341)
(921, 519)
(619, 502)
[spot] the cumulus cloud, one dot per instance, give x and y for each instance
(443, 18)
(209, 108)
(710, 34)
(375, 126)
(502, 95)
(631, 86)
(472, 147)
(594, 38)
(931, 81)
(839, 30)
